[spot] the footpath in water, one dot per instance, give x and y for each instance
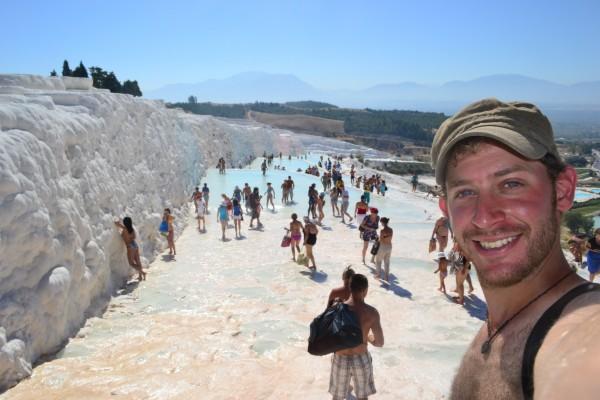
(229, 319)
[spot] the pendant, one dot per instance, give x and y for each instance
(486, 347)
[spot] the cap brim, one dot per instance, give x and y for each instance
(512, 139)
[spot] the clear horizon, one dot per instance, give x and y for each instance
(333, 45)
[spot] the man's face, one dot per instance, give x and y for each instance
(503, 212)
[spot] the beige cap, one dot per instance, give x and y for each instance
(520, 126)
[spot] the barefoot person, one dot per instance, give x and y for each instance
(442, 269)
(310, 239)
(200, 213)
(238, 217)
(355, 363)
(462, 267)
(593, 255)
(223, 217)
(345, 205)
(270, 195)
(205, 194)
(333, 197)
(296, 229)
(505, 190)
(360, 210)
(385, 249)
(171, 231)
(440, 232)
(343, 292)
(369, 228)
(133, 250)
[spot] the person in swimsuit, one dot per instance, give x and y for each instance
(171, 232)
(247, 191)
(440, 232)
(133, 251)
(205, 194)
(593, 255)
(320, 204)
(291, 187)
(360, 210)
(385, 249)
(341, 294)
(285, 192)
(310, 239)
(355, 363)
(296, 229)
(238, 217)
(223, 218)
(200, 213)
(369, 227)
(255, 207)
(442, 268)
(333, 196)
(195, 196)
(270, 195)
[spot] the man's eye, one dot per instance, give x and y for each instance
(512, 184)
(463, 193)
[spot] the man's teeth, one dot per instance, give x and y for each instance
(497, 243)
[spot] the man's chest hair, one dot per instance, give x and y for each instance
(496, 375)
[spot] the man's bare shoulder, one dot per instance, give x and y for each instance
(566, 364)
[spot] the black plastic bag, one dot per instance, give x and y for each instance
(335, 329)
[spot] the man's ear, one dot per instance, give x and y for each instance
(443, 203)
(566, 183)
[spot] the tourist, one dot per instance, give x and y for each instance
(285, 192)
(270, 195)
(341, 294)
(461, 266)
(345, 205)
(369, 228)
(383, 188)
(255, 207)
(440, 232)
(593, 255)
(442, 268)
(295, 230)
(195, 196)
(355, 363)
(320, 204)
(247, 191)
(170, 231)
(237, 194)
(414, 182)
(312, 201)
(333, 197)
(385, 249)
(506, 190)
(238, 217)
(310, 239)
(360, 210)
(200, 213)
(205, 194)
(263, 167)
(291, 187)
(223, 217)
(129, 236)
(352, 174)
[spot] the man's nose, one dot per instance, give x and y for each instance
(488, 210)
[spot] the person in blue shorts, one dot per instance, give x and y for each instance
(593, 255)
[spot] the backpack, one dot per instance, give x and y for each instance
(337, 328)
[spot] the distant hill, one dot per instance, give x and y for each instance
(578, 103)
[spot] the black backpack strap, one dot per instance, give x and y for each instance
(541, 329)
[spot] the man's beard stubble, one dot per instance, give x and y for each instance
(539, 247)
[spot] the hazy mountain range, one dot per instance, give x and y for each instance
(579, 102)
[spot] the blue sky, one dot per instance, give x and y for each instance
(330, 44)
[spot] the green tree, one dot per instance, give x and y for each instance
(112, 83)
(66, 71)
(192, 100)
(98, 77)
(80, 71)
(579, 223)
(53, 73)
(132, 88)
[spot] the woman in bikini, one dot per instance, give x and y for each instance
(296, 229)
(133, 251)
(369, 233)
(310, 239)
(360, 210)
(171, 232)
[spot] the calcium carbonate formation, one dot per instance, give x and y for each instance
(72, 159)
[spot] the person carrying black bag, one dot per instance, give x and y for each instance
(356, 362)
